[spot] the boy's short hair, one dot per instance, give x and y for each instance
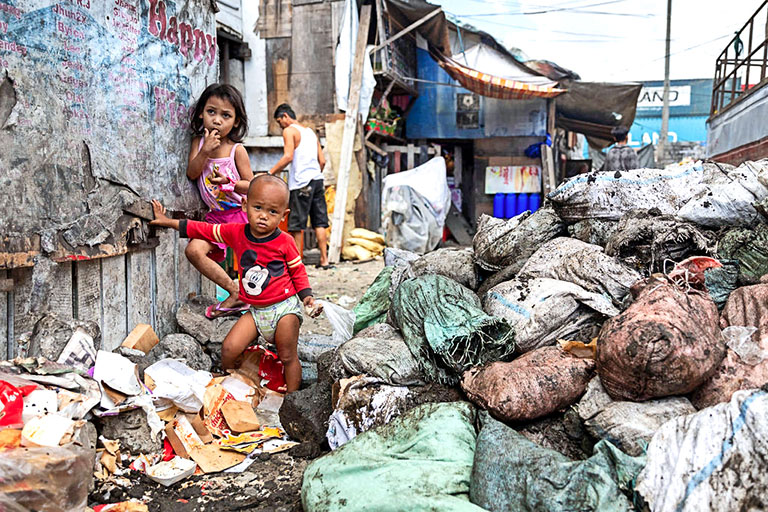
(284, 109)
(272, 179)
(619, 133)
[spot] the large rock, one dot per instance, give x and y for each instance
(132, 430)
(184, 347)
(52, 332)
(304, 413)
(221, 327)
(139, 358)
(191, 319)
(330, 367)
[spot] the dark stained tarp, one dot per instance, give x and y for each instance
(594, 108)
(435, 30)
(551, 70)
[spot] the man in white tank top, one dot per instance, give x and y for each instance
(302, 150)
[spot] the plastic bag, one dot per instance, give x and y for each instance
(342, 320)
(50, 479)
(12, 404)
(177, 383)
(739, 339)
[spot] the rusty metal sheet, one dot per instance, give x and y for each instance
(95, 98)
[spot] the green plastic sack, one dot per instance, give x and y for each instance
(750, 247)
(446, 329)
(512, 473)
(420, 461)
(373, 306)
(721, 281)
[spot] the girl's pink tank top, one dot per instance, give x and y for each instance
(213, 196)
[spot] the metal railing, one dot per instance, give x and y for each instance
(742, 62)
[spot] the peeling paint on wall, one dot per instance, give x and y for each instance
(94, 105)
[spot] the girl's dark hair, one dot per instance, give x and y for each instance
(232, 95)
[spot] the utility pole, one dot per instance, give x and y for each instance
(663, 136)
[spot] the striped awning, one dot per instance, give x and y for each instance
(494, 86)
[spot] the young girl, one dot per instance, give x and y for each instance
(220, 166)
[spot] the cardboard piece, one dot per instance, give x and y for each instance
(212, 458)
(200, 429)
(240, 416)
(142, 337)
(182, 436)
(215, 397)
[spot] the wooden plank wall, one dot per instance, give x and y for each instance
(143, 286)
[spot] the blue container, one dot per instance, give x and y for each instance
(522, 204)
(509, 206)
(498, 206)
(535, 202)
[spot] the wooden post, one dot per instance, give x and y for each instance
(348, 139)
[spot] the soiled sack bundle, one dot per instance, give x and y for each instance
(502, 243)
(746, 307)
(531, 386)
(586, 265)
(666, 343)
(543, 310)
(445, 328)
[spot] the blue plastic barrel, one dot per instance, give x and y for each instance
(522, 204)
(498, 205)
(535, 202)
(509, 206)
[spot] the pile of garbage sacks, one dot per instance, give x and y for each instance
(92, 416)
(607, 352)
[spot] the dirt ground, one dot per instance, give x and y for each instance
(271, 483)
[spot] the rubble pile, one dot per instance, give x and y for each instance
(93, 418)
(577, 372)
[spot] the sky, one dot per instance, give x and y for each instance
(612, 40)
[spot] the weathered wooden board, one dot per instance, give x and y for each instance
(312, 44)
(88, 290)
(23, 320)
(207, 287)
(140, 289)
(114, 302)
(189, 277)
(59, 301)
(4, 319)
(166, 268)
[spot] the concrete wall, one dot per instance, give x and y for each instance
(94, 106)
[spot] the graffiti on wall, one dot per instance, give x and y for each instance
(95, 97)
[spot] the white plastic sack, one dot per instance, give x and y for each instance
(586, 265)
(728, 199)
(601, 195)
(542, 310)
(428, 180)
(410, 222)
(178, 384)
(716, 459)
(342, 320)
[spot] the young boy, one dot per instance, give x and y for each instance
(271, 273)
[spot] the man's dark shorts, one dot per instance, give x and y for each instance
(308, 202)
